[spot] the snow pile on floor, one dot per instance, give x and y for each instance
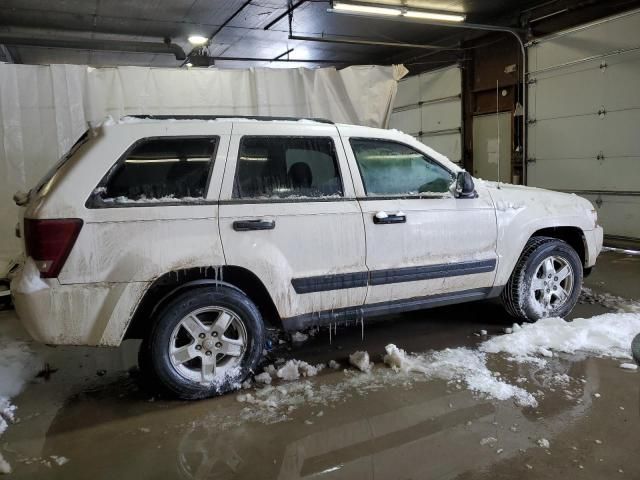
(17, 365)
(607, 335)
(360, 360)
(458, 364)
(299, 337)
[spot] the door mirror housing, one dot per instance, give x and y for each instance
(464, 185)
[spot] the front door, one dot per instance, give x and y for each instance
(288, 214)
(421, 241)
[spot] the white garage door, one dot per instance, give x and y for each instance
(584, 118)
(429, 107)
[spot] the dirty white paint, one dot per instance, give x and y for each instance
(121, 250)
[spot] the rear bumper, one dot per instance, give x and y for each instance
(593, 240)
(80, 314)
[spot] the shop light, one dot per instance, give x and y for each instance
(399, 11)
(197, 40)
(368, 9)
(445, 17)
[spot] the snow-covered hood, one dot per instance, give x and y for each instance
(548, 202)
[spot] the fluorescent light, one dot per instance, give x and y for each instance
(390, 10)
(446, 17)
(198, 40)
(356, 8)
(152, 160)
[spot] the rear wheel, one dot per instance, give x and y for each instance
(205, 342)
(546, 281)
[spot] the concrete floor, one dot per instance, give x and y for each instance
(96, 412)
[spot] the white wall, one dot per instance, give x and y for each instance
(44, 109)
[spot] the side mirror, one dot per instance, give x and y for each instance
(464, 185)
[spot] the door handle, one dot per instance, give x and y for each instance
(384, 218)
(246, 225)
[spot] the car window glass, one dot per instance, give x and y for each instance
(160, 170)
(281, 167)
(390, 168)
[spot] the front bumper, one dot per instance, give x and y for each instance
(593, 239)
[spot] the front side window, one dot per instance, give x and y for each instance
(390, 168)
(286, 167)
(160, 170)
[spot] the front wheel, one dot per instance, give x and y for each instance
(546, 281)
(205, 342)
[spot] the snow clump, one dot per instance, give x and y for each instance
(360, 360)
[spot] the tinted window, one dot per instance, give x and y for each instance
(390, 168)
(160, 170)
(287, 166)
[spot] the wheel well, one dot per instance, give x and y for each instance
(167, 286)
(572, 235)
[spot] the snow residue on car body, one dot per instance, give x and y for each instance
(28, 279)
(458, 364)
(607, 335)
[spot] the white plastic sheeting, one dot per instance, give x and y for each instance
(44, 109)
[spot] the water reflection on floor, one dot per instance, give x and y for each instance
(95, 411)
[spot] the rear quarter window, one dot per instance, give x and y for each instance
(158, 170)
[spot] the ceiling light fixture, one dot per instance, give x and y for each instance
(370, 9)
(399, 11)
(445, 17)
(198, 40)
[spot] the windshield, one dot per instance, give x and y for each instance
(52, 171)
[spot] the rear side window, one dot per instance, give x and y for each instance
(158, 170)
(285, 167)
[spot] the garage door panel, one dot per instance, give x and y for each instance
(408, 92)
(440, 84)
(621, 136)
(622, 82)
(575, 93)
(407, 121)
(613, 135)
(441, 116)
(618, 215)
(573, 137)
(448, 145)
(583, 173)
(617, 33)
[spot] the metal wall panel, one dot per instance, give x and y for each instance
(429, 107)
(584, 112)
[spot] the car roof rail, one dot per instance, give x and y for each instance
(218, 117)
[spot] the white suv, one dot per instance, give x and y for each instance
(192, 234)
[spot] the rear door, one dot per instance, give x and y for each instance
(288, 214)
(421, 241)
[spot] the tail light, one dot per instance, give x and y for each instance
(49, 242)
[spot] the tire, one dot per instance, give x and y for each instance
(635, 348)
(204, 342)
(526, 294)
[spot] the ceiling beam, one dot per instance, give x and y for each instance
(282, 15)
(94, 44)
(353, 41)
